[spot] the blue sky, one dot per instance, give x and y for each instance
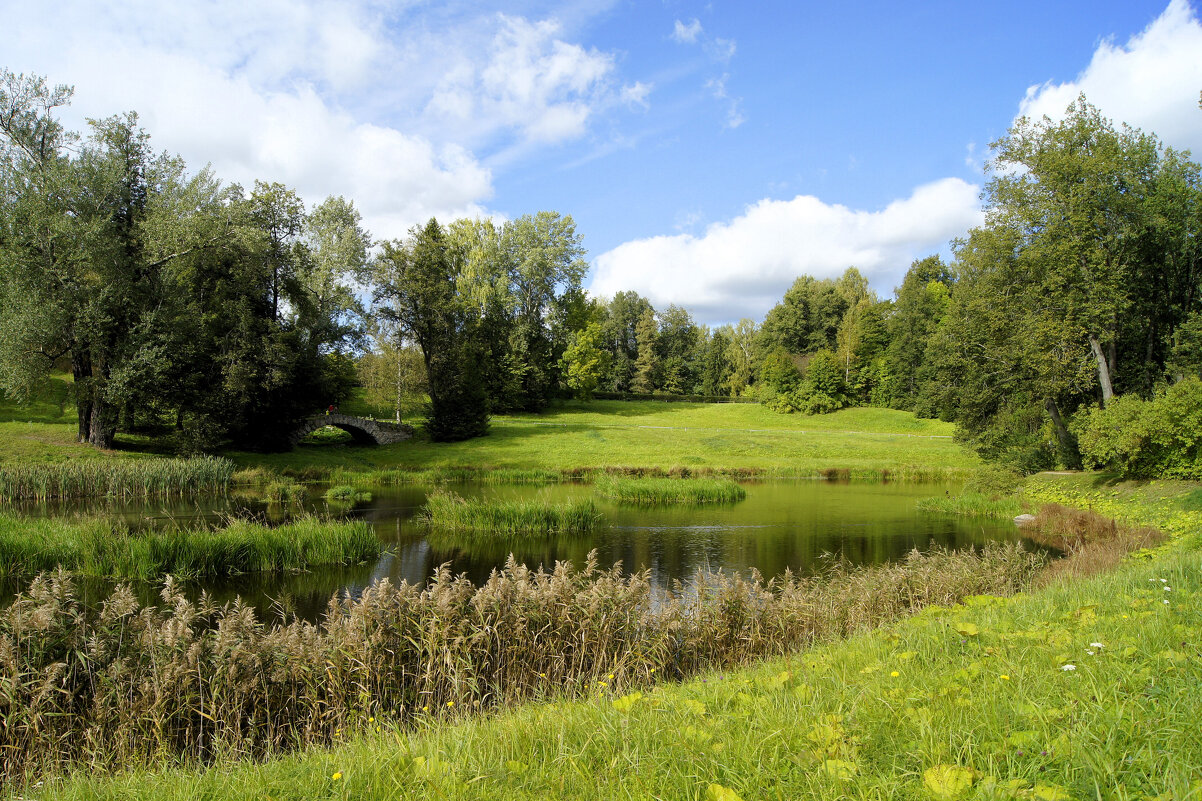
(709, 152)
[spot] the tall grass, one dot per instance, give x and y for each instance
(508, 517)
(103, 547)
(974, 504)
(652, 491)
(189, 681)
(114, 478)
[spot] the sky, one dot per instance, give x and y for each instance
(709, 152)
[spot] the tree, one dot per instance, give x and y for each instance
(647, 366)
(920, 305)
(417, 279)
(585, 362)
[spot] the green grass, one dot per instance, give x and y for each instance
(576, 439)
(974, 504)
(653, 491)
(345, 493)
(102, 547)
(500, 518)
(981, 694)
(567, 441)
(114, 479)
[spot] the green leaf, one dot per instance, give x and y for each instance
(949, 782)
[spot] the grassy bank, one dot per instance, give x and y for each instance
(115, 478)
(105, 547)
(654, 491)
(1086, 689)
(500, 518)
(139, 686)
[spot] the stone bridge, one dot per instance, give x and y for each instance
(362, 430)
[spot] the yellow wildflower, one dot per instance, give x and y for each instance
(337, 776)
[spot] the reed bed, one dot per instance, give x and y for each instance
(192, 682)
(656, 491)
(499, 518)
(125, 478)
(102, 547)
(974, 504)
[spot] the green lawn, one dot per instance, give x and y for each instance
(697, 436)
(575, 435)
(1083, 690)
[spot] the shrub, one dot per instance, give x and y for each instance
(1160, 438)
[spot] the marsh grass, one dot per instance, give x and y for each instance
(655, 491)
(111, 548)
(974, 504)
(192, 682)
(345, 493)
(132, 478)
(284, 490)
(500, 518)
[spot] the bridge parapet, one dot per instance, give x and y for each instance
(362, 430)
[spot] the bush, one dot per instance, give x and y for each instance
(1160, 438)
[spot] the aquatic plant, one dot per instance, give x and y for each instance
(651, 491)
(107, 547)
(508, 517)
(125, 478)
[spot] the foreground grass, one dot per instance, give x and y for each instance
(110, 548)
(1086, 689)
(653, 491)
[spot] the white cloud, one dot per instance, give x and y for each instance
(1152, 82)
(686, 34)
(528, 79)
(742, 268)
(377, 102)
(635, 95)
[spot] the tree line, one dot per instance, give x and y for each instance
(227, 314)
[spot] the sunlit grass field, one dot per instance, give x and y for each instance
(700, 437)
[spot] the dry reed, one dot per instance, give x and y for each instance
(194, 682)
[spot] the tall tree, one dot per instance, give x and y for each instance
(418, 279)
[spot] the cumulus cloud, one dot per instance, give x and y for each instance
(528, 79)
(742, 267)
(686, 34)
(1151, 82)
(348, 97)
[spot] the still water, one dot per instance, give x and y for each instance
(781, 525)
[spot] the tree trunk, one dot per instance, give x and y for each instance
(103, 425)
(1069, 452)
(398, 384)
(1103, 369)
(81, 371)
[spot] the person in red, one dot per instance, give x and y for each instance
(330, 410)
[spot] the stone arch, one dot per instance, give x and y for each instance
(362, 430)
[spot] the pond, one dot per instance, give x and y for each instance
(781, 525)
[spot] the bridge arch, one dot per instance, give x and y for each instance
(362, 430)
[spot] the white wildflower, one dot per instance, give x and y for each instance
(1068, 667)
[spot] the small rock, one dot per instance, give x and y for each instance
(1024, 520)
